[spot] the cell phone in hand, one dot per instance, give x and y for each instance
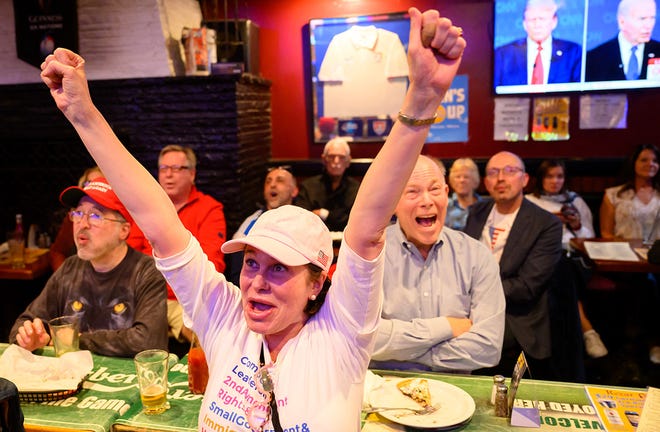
(568, 210)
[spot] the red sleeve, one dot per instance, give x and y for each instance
(212, 232)
(63, 246)
(138, 241)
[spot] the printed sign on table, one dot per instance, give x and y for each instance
(618, 409)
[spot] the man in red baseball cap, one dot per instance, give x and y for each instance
(115, 291)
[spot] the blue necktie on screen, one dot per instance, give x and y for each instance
(633, 67)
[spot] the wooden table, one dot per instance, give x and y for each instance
(36, 265)
(641, 266)
(20, 286)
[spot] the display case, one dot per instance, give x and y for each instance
(358, 75)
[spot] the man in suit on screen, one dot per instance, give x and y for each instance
(627, 56)
(539, 58)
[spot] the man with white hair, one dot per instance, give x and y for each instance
(627, 55)
(539, 58)
(330, 195)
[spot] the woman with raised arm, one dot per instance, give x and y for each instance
(286, 351)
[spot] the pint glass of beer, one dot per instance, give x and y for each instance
(152, 367)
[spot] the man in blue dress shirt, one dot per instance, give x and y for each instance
(444, 304)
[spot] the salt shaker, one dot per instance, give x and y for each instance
(501, 401)
(497, 380)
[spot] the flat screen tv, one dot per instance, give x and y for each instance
(584, 54)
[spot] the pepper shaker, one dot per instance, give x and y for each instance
(501, 401)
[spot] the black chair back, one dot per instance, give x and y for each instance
(11, 415)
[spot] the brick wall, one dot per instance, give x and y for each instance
(225, 119)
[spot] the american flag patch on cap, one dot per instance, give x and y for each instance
(323, 258)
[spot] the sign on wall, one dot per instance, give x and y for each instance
(452, 124)
(42, 26)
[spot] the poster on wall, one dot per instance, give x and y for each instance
(359, 75)
(551, 117)
(511, 119)
(42, 26)
(608, 111)
(452, 122)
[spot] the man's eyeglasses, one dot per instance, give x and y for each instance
(507, 171)
(174, 168)
(259, 413)
(94, 219)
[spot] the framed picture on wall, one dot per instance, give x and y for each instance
(359, 75)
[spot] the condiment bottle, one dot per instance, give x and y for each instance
(17, 244)
(497, 380)
(501, 401)
(18, 231)
(198, 370)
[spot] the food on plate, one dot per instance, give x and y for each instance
(417, 389)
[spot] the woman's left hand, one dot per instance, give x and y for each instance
(573, 221)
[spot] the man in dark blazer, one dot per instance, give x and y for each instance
(563, 61)
(610, 60)
(526, 240)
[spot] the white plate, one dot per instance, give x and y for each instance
(455, 406)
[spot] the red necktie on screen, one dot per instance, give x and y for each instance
(537, 72)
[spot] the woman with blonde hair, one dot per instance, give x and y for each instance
(464, 181)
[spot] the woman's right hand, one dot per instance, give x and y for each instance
(63, 72)
(435, 49)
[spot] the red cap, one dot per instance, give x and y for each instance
(100, 191)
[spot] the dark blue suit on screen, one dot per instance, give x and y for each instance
(511, 63)
(604, 62)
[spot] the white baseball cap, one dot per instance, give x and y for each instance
(291, 235)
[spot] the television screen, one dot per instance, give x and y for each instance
(575, 45)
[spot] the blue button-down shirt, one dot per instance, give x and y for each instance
(459, 278)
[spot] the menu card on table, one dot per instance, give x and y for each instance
(613, 251)
(618, 409)
(650, 419)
